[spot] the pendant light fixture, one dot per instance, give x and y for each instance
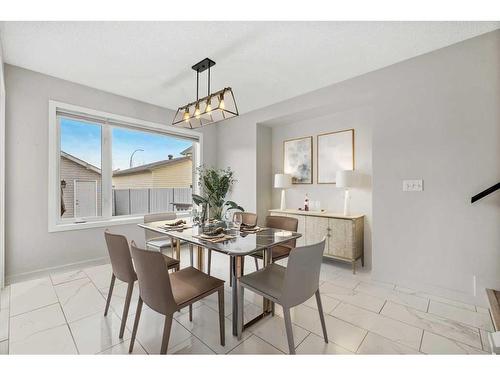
(214, 107)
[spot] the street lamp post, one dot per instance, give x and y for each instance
(131, 156)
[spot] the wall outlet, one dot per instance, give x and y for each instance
(413, 185)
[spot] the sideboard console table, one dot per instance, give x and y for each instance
(344, 234)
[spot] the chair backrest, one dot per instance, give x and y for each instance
(119, 253)
(154, 282)
(247, 218)
(302, 273)
(284, 223)
(157, 217)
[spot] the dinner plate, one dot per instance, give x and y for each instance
(209, 237)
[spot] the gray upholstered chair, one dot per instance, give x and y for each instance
(153, 240)
(280, 251)
(247, 218)
(123, 269)
(167, 293)
(288, 286)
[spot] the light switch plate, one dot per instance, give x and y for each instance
(413, 185)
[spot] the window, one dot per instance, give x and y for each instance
(107, 169)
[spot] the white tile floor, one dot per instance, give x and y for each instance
(63, 314)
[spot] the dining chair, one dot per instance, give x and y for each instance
(167, 293)
(123, 269)
(280, 251)
(247, 218)
(154, 241)
(288, 286)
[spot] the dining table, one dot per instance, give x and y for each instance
(236, 244)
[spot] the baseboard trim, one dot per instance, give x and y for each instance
(10, 279)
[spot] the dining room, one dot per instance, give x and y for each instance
(218, 200)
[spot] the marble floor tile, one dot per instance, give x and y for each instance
(376, 344)
(435, 344)
(5, 298)
(150, 331)
(97, 332)
(433, 323)
(118, 298)
(389, 328)
(255, 345)
(29, 295)
(351, 297)
(432, 297)
(250, 311)
(327, 302)
(55, 340)
(4, 324)
(272, 330)
(471, 318)
(212, 301)
(192, 345)
(24, 325)
(79, 298)
(314, 344)
(482, 310)
(485, 341)
(389, 294)
(4, 347)
(101, 275)
(345, 281)
(63, 277)
(205, 326)
(122, 348)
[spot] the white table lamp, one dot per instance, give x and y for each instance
(346, 180)
(282, 181)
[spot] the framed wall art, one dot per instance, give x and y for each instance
(298, 160)
(335, 152)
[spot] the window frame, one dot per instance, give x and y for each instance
(107, 121)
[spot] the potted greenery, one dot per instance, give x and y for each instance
(215, 184)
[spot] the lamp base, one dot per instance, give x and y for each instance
(283, 200)
(347, 198)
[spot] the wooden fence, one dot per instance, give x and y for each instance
(143, 201)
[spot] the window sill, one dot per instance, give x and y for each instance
(124, 220)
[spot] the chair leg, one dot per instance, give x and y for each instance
(289, 332)
(190, 313)
(321, 315)
(240, 305)
(166, 333)
(209, 261)
(256, 264)
(110, 292)
(231, 265)
(136, 324)
(191, 255)
(222, 326)
(130, 289)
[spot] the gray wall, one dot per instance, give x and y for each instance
(2, 169)
(434, 117)
(29, 246)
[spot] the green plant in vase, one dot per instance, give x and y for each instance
(215, 184)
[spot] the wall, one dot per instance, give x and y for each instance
(2, 169)
(178, 174)
(331, 198)
(28, 94)
(137, 180)
(264, 171)
(435, 117)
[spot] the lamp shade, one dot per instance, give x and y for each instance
(345, 179)
(282, 181)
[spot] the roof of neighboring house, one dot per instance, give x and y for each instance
(187, 151)
(150, 166)
(81, 162)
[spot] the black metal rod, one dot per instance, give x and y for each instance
(197, 83)
(486, 192)
(208, 91)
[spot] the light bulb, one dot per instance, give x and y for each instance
(221, 101)
(197, 111)
(208, 108)
(186, 115)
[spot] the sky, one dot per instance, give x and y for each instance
(83, 140)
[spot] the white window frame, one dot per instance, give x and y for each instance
(55, 222)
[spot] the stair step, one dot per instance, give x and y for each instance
(494, 299)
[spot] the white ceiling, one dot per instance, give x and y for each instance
(264, 62)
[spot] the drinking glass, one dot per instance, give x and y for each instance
(237, 219)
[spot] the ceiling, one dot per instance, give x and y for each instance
(264, 62)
